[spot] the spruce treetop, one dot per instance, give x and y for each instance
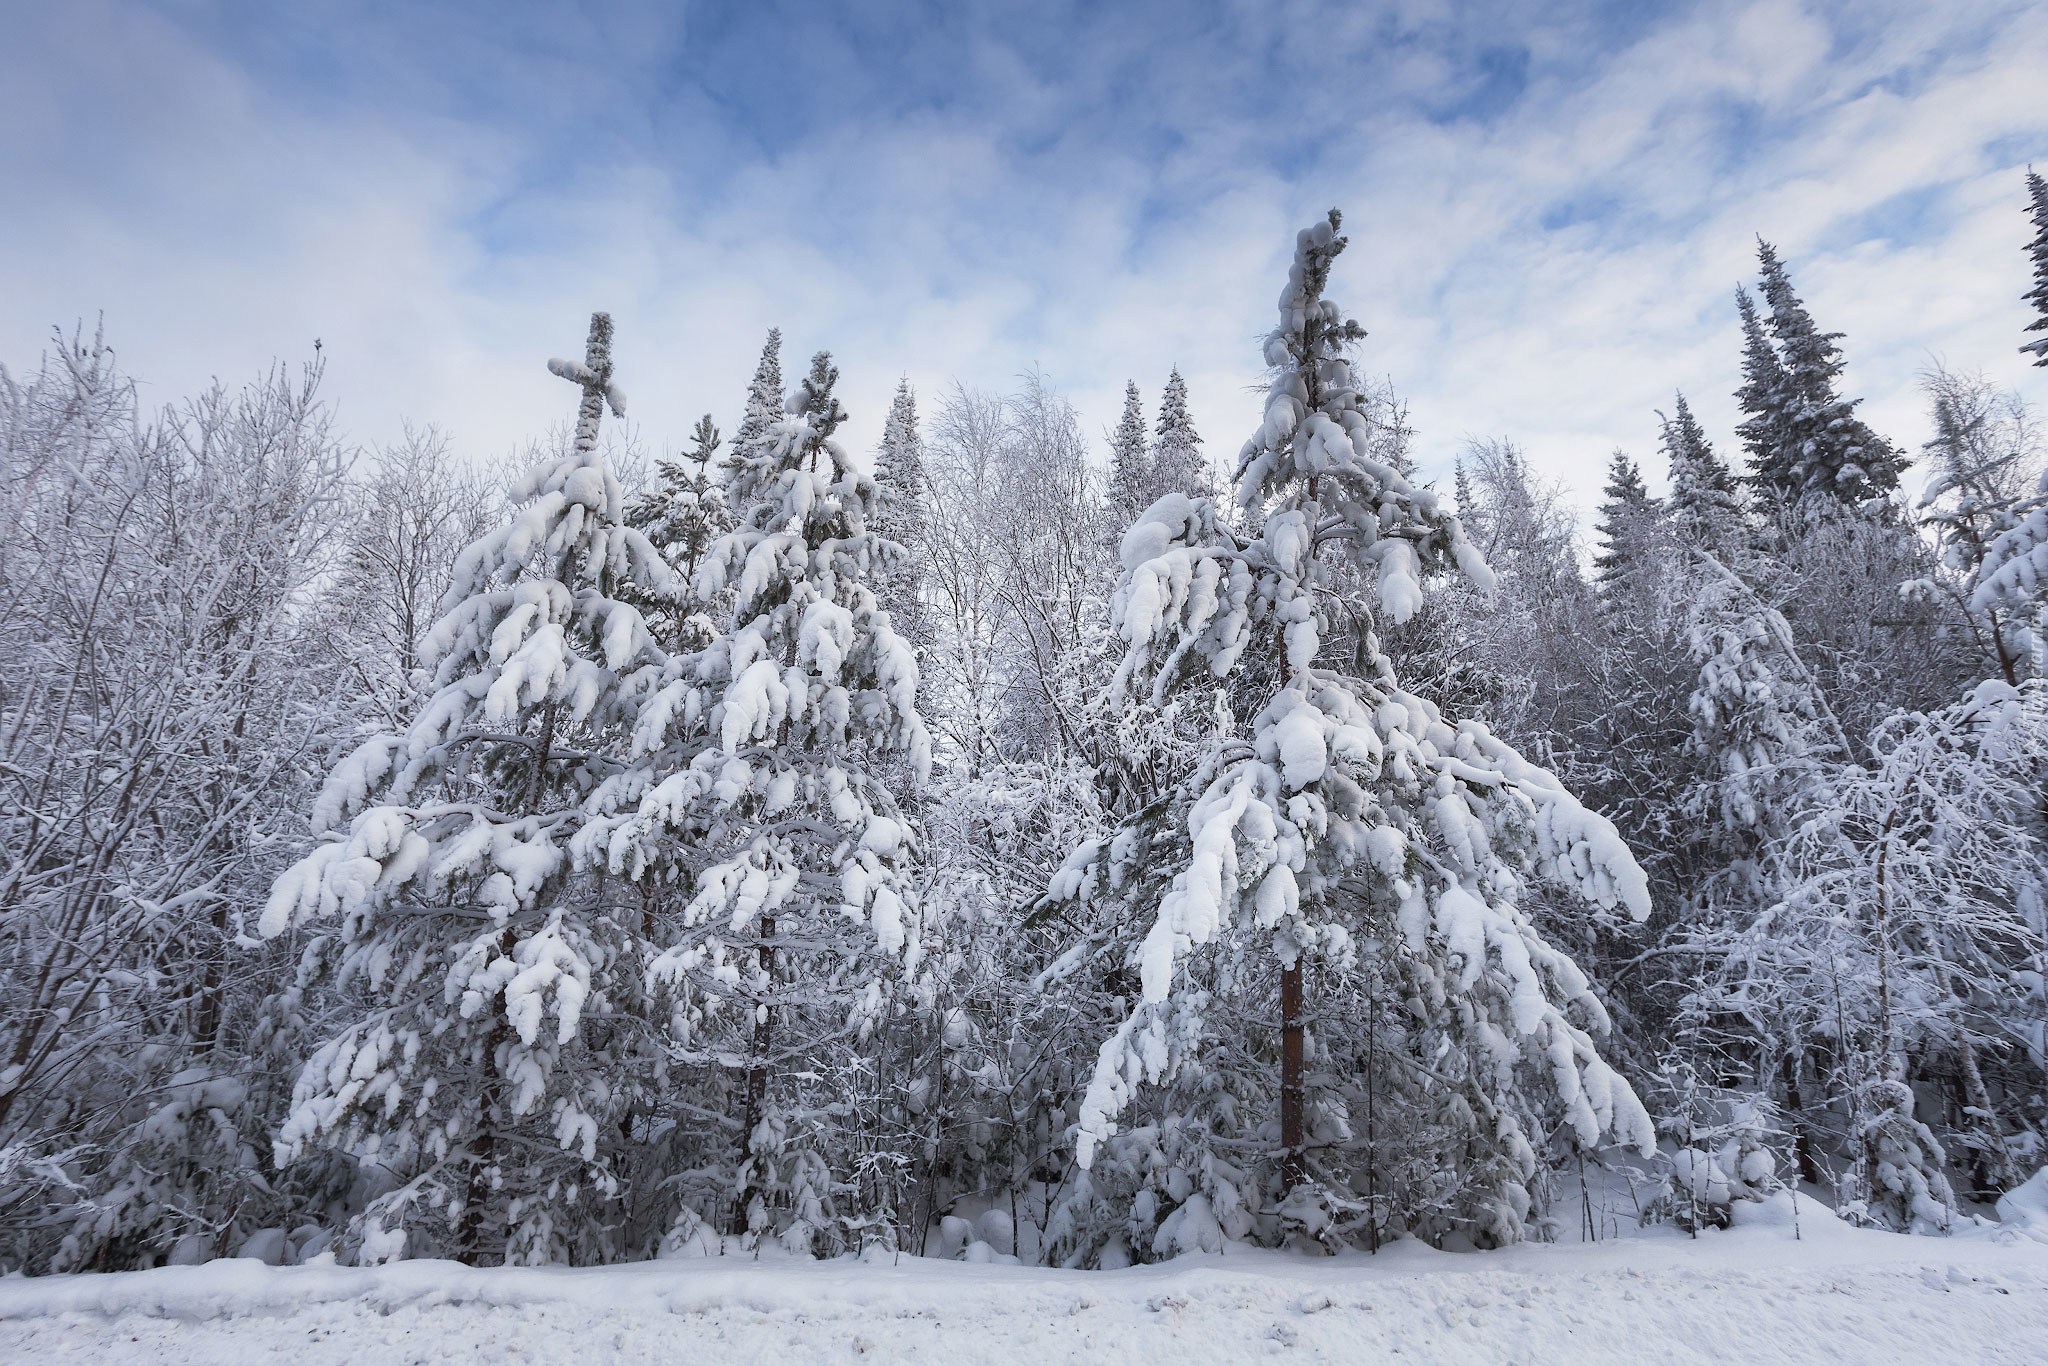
(1704, 504)
(1765, 395)
(1177, 453)
(764, 397)
(899, 471)
(1806, 443)
(704, 441)
(2037, 197)
(1625, 511)
(1130, 473)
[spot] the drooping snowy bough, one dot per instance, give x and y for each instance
(1349, 828)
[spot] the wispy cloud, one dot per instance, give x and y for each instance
(1548, 217)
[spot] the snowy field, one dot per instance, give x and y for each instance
(1752, 1294)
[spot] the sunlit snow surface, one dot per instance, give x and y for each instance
(1752, 1295)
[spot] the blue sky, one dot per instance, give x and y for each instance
(1548, 215)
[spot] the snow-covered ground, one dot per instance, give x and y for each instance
(1752, 1294)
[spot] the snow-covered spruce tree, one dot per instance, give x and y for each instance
(1350, 829)
(899, 472)
(1705, 507)
(685, 511)
(756, 786)
(1130, 462)
(1825, 502)
(2037, 203)
(1177, 461)
(903, 515)
(482, 1081)
(1628, 516)
(1765, 398)
(1806, 439)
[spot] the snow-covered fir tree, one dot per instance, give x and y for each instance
(481, 1079)
(756, 790)
(763, 408)
(902, 516)
(1178, 465)
(1348, 833)
(1765, 398)
(1130, 462)
(1628, 514)
(1705, 507)
(899, 472)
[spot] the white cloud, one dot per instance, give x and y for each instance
(1105, 216)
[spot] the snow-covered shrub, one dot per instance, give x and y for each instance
(1730, 1145)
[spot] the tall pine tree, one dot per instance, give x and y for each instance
(1766, 398)
(764, 401)
(899, 473)
(902, 516)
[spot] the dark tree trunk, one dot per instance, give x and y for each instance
(757, 1076)
(483, 1151)
(1290, 1074)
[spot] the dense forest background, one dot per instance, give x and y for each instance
(594, 855)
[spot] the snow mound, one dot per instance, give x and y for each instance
(1821, 1292)
(2025, 1207)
